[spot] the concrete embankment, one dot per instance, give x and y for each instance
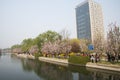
(64, 62)
(89, 65)
(103, 66)
(25, 56)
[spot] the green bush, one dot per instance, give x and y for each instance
(71, 54)
(37, 55)
(78, 59)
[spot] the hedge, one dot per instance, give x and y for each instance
(82, 60)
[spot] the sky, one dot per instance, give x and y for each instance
(22, 19)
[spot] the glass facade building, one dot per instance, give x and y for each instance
(89, 20)
(83, 22)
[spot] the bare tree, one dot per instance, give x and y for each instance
(65, 34)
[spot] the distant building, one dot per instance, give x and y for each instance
(89, 20)
(6, 50)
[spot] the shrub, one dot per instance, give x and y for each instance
(71, 54)
(37, 55)
(62, 55)
(78, 59)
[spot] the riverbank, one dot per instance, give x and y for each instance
(25, 56)
(64, 62)
(103, 66)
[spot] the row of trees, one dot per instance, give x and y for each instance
(111, 45)
(54, 43)
(56, 48)
(51, 43)
(34, 45)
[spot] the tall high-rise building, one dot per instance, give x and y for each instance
(89, 19)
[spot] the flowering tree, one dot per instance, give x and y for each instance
(65, 47)
(46, 48)
(98, 44)
(113, 40)
(55, 48)
(33, 49)
(50, 48)
(84, 45)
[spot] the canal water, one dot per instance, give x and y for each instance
(14, 68)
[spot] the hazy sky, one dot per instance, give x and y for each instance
(20, 19)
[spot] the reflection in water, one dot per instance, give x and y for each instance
(83, 74)
(0, 54)
(48, 71)
(104, 75)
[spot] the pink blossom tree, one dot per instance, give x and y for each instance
(33, 49)
(56, 48)
(113, 40)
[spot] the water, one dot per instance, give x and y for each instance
(13, 68)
